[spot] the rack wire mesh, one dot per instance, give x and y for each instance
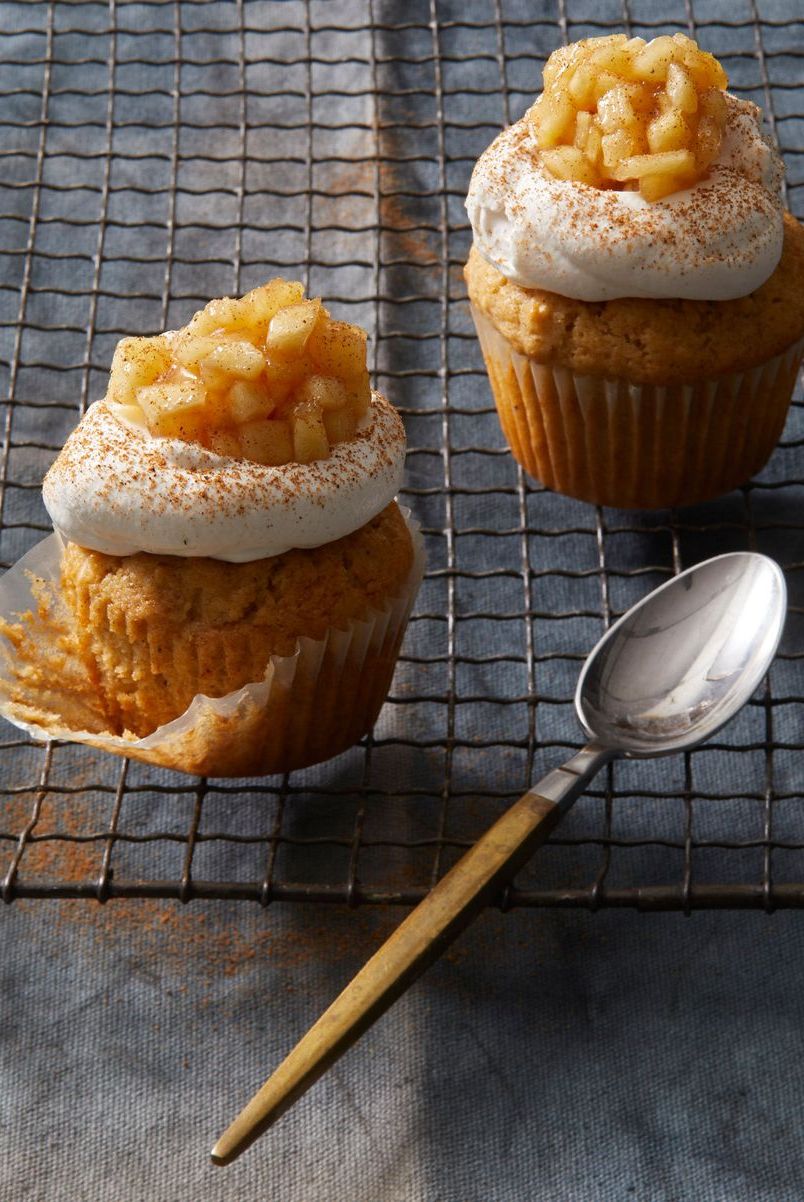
(157, 154)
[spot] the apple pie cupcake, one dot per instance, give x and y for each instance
(235, 574)
(634, 279)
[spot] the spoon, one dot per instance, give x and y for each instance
(664, 678)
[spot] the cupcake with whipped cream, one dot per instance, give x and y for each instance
(236, 575)
(634, 279)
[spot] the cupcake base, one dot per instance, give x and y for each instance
(310, 705)
(637, 445)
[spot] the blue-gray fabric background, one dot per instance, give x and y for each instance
(554, 1054)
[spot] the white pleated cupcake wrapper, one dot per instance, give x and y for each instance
(310, 705)
(609, 435)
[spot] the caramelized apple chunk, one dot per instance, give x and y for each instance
(268, 376)
(619, 112)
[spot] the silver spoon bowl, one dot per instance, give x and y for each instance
(677, 666)
(662, 679)
(682, 661)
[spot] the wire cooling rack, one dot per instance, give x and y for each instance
(157, 154)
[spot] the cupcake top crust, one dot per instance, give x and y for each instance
(250, 432)
(635, 174)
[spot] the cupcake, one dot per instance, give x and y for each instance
(634, 279)
(235, 575)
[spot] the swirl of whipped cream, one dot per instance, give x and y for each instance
(116, 489)
(717, 240)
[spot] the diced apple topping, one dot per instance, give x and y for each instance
(268, 376)
(174, 410)
(619, 112)
(247, 402)
(340, 424)
(239, 359)
(290, 329)
(309, 435)
(269, 442)
(137, 362)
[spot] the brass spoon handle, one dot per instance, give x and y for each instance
(414, 945)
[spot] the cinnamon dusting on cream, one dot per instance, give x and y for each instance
(118, 490)
(717, 240)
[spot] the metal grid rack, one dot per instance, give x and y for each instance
(157, 154)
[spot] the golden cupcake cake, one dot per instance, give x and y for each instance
(634, 279)
(235, 574)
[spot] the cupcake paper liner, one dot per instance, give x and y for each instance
(637, 446)
(310, 706)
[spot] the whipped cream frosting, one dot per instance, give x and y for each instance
(718, 240)
(119, 490)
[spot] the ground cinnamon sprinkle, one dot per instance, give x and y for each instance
(190, 948)
(204, 940)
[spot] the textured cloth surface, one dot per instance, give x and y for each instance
(553, 1054)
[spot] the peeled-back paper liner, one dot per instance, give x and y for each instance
(310, 706)
(614, 442)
